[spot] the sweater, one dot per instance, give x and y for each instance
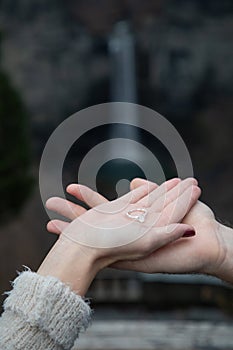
(42, 313)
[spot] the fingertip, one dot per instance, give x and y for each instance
(140, 179)
(48, 226)
(196, 191)
(177, 231)
(50, 202)
(193, 180)
(199, 189)
(56, 226)
(136, 182)
(76, 190)
(189, 233)
(71, 187)
(187, 230)
(175, 179)
(173, 182)
(52, 228)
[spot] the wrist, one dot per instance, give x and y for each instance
(224, 263)
(72, 263)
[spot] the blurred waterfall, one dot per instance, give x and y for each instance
(123, 85)
(122, 53)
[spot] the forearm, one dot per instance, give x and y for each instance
(71, 264)
(224, 265)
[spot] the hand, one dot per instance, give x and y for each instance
(107, 225)
(67, 260)
(210, 252)
(166, 205)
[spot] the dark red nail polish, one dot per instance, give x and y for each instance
(189, 233)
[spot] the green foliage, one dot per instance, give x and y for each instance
(15, 179)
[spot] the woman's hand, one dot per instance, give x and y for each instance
(105, 234)
(210, 251)
(114, 236)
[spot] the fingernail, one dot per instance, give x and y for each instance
(189, 233)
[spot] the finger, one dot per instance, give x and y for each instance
(123, 202)
(141, 194)
(158, 193)
(137, 182)
(170, 233)
(172, 194)
(138, 193)
(171, 184)
(158, 237)
(176, 210)
(56, 226)
(64, 207)
(86, 195)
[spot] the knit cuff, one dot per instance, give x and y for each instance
(50, 305)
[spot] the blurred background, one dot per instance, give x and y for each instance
(58, 57)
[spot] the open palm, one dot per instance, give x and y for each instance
(196, 255)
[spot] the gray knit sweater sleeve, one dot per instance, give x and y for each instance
(42, 313)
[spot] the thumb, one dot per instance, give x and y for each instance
(168, 234)
(157, 262)
(86, 195)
